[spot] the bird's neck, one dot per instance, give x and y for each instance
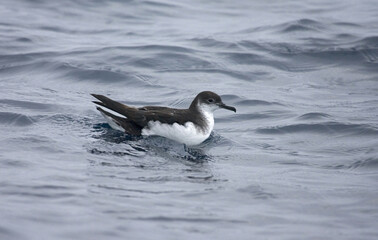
(207, 117)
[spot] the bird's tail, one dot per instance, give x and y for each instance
(113, 105)
(120, 123)
(113, 120)
(116, 122)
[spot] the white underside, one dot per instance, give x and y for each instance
(187, 134)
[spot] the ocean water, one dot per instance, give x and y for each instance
(299, 159)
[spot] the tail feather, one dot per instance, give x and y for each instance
(99, 103)
(120, 123)
(131, 113)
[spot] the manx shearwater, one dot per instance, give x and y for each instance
(190, 126)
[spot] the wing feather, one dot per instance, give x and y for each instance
(141, 116)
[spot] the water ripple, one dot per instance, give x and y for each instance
(314, 116)
(322, 128)
(365, 164)
(27, 104)
(16, 119)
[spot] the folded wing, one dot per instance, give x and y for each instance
(138, 118)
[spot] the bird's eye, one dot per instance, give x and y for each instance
(210, 100)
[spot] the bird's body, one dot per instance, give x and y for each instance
(190, 126)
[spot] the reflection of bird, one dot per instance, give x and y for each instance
(190, 126)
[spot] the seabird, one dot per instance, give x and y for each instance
(190, 126)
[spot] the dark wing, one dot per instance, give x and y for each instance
(164, 114)
(141, 116)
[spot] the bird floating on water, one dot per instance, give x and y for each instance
(190, 126)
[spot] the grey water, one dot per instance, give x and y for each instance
(299, 159)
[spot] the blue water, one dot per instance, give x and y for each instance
(299, 159)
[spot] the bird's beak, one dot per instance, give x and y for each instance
(222, 105)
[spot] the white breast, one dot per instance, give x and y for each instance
(188, 133)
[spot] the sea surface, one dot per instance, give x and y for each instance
(299, 159)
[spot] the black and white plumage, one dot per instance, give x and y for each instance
(190, 126)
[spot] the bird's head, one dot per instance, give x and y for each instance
(209, 102)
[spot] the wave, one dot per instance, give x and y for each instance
(76, 73)
(314, 116)
(369, 163)
(322, 128)
(255, 102)
(209, 42)
(148, 48)
(27, 104)
(16, 58)
(257, 192)
(172, 61)
(301, 25)
(16, 119)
